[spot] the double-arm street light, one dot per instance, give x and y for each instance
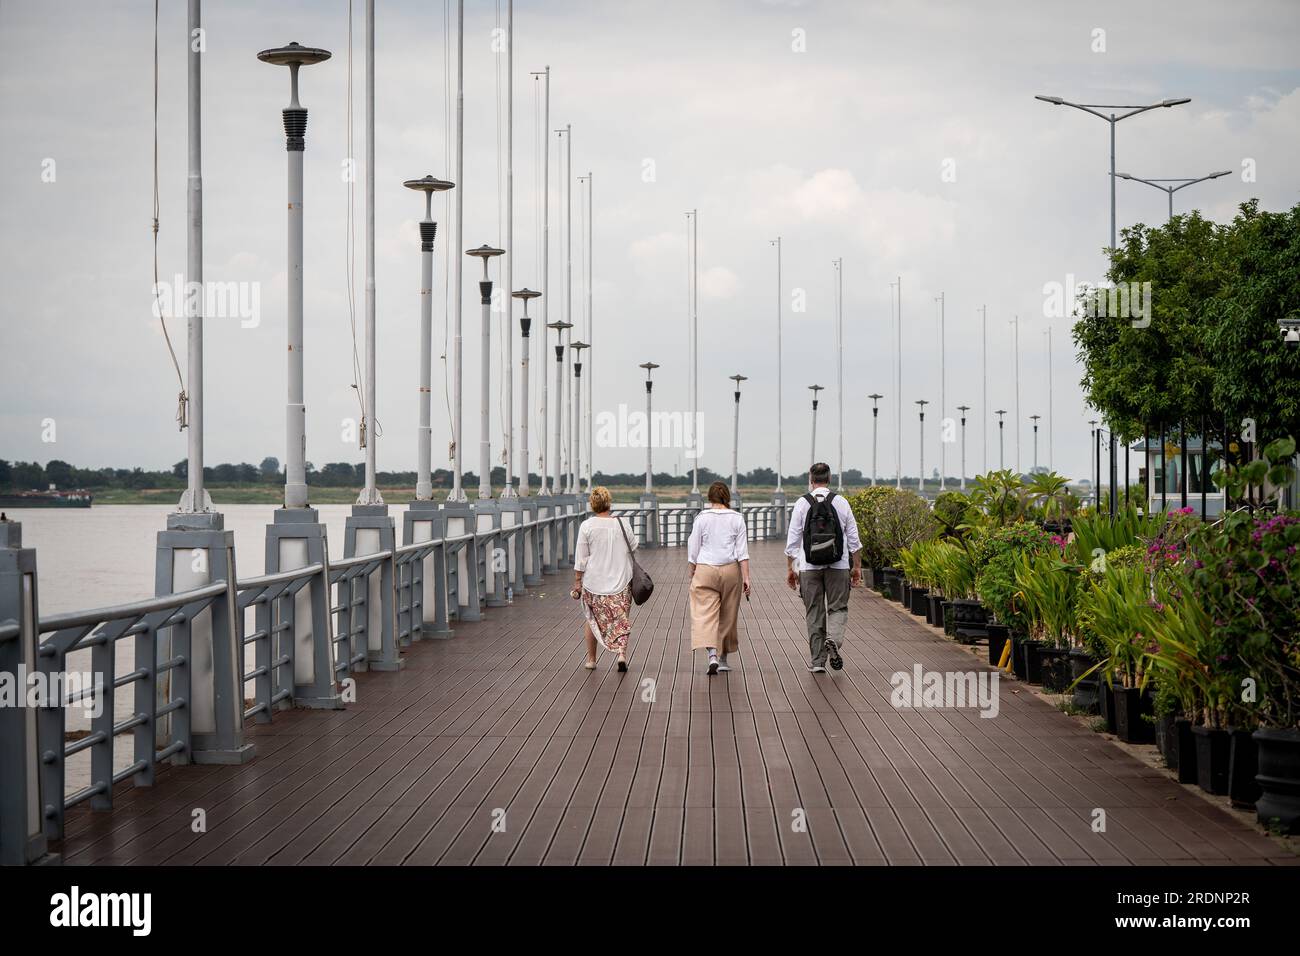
(1183, 183)
(1113, 118)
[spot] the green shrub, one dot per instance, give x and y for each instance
(889, 520)
(995, 556)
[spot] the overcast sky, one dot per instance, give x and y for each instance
(831, 124)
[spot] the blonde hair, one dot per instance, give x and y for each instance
(600, 499)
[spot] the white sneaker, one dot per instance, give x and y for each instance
(816, 669)
(722, 664)
(713, 666)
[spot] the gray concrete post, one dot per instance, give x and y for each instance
(195, 550)
(370, 530)
(22, 833)
(297, 539)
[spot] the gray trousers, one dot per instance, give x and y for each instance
(825, 593)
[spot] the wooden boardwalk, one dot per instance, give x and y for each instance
(497, 747)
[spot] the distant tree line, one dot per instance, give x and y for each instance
(31, 475)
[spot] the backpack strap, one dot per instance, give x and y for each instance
(810, 499)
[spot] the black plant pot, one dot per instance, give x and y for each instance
(907, 593)
(934, 610)
(1132, 707)
(1106, 702)
(1184, 751)
(872, 577)
(968, 613)
(1056, 668)
(949, 619)
(1279, 779)
(1085, 691)
(1166, 735)
(1032, 653)
(918, 600)
(1019, 660)
(1213, 751)
(999, 634)
(894, 584)
(1243, 765)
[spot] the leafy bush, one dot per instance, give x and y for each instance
(952, 510)
(994, 557)
(1246, 575)
(889, 520)
(1046, 587)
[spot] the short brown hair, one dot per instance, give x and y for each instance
(600, 499)
(720, 493)
(820, 473)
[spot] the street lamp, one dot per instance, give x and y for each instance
(920, 476)
(735, 445)
(875, 428)
(814, 389)
(525, 325)
(485, 252)
(963, 409)
(1002, 462)
(1034, 419)
(576, 348)
(559, 325)
(295, 130)
(649, 445)
(1095, 436)
(1113, 119)
(296, 538)
(1183, 181)
(424, 436)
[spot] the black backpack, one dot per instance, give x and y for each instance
(823, 544)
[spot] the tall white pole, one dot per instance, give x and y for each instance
(1016, 323)
(898, 415)
(591, 281)
(839, 369)
(695, 351)
(195, 499)
(370, 494)
(509, 490)
(424, 434)
(1051, 427)
(779, 358)
(525, 328)
(943, 408)
(294, 57)
(485, 252)
(568, 282)
(544, 477)
(457, 461)
(735, 439)
(984, 402)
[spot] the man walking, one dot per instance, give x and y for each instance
(823, 562)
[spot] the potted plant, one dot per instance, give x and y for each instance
(1247, 566)
(1116, 612)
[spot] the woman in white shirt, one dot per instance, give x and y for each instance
(602, 577)
(718, 552)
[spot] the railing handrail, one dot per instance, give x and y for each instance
(280, 577)
(103, 615)
(360, 560)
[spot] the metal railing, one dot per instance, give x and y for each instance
(674, 522)
(170, 655)
(196, 655)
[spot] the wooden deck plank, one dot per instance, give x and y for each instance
(497, 747)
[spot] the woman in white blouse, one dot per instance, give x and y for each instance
(718, 553)
(602, 577)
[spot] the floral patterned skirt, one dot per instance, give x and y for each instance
(608, 616)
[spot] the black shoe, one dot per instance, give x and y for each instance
(837, 662)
